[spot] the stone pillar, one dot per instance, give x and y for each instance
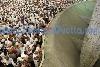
(91, 46)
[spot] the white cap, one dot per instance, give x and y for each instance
(3, 40)
(17, 43)
(40, 34)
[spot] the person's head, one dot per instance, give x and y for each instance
(25, 52)
(36, 52)
(22, 45)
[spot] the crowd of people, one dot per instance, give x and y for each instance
(22, 30)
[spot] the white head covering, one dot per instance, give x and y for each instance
(36, 39)
(1, 45)
(9, 43)
(11, 61)
(37, 48)
(28, 43)
(40, 34)
(3, 40)
(17, 43)
(20, 59)
(23, 55)
(5, 61)
(2, 54)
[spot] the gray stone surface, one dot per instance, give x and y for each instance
(91, 48)
(63, 50)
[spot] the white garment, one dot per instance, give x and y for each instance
(1, 45)
(34, 55)
(36, 39)
(37, 48)
(24, 55)
(11, 61)
(32, 19)
(28, 43)
(40, 34)
(22, 49)
(8, 42)
(5, 61)
(37, 21)
(19, 59)
(31, 46)
(3, 40)
(35, 61)
(25, 22)
(2, 54)
(17, 43)
(31, 39)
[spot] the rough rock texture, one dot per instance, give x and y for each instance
(91, 48)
